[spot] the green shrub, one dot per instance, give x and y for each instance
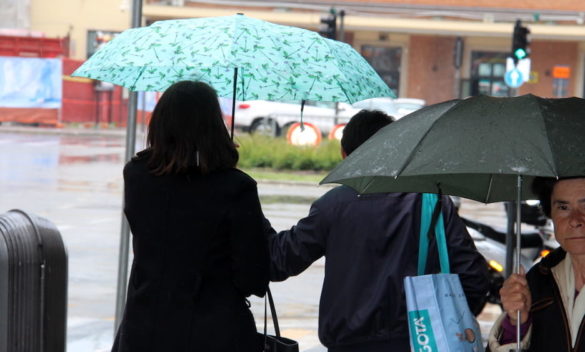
(262, 151)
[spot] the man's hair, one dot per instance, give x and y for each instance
(543, 188)
(361, 127)
(187, 132)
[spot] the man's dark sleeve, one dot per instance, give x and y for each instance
(464, 258)
(292, 251)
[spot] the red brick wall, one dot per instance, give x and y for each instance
(544, 56)
(430, 68)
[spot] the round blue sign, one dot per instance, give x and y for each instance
(514, 78)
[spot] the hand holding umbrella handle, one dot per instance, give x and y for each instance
(516, 301)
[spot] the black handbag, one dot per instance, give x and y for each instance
(275, 343)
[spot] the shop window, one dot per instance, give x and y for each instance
(386, 61)
(487, 74)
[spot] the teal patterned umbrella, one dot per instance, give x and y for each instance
(268, 61)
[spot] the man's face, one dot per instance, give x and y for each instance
(568, 214)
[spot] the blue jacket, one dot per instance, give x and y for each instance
(370, 243)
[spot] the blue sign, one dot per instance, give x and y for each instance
(30, 82)
(514, 78)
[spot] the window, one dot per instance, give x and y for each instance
(386, 61)
(487, 74)
(96, 39)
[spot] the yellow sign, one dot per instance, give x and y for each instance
(533, 77)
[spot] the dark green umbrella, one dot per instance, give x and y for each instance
(482, 148)
(474, 148)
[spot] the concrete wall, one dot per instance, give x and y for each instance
(14, 14)
(59, 18)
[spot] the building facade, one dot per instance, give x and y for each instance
(429, 49)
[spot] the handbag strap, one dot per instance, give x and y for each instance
(431, 222)
(273, 313)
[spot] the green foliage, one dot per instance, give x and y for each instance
(262, 151)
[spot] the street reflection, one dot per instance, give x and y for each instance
(84, 159)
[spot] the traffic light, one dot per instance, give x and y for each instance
(520, 42)
(329, 30)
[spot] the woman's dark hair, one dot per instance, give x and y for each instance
(361, 127)
(543, 188)
(187, 132)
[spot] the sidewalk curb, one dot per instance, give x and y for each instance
(295, 183)
(70, 131)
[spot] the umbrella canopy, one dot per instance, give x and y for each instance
(267, 61)
(474, 148)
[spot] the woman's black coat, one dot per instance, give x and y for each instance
(199, 250)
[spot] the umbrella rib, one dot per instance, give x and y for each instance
(418, 143)
(139, 75)
(552, 155)
(349, 99)
(489, 191)
(368, 185)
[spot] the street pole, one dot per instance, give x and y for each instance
(130, 149)
(341, 35)
(457, 62)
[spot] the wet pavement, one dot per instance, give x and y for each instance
(74, 179)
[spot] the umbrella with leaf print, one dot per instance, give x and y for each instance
(241, 57)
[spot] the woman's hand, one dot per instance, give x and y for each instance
(515, 295)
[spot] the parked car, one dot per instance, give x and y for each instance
(274, 118)
(394, 107)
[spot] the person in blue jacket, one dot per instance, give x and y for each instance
(370, 243)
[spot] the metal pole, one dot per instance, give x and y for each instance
(130, 146)
(341, 35)
(511, 215)
(457, 62)
(517, 268)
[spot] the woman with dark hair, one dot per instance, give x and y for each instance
(197, 227)
(551, 296)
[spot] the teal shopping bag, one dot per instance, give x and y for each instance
(439, 318)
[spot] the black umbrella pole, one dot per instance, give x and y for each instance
(517, 269)
(511, 215)
(234, 101)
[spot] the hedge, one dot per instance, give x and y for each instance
(263, 151)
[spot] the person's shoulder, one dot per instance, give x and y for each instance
(339, 194)
(342, 191)
(346, 193)
(546, 264)
(236, 178)
(138, 162)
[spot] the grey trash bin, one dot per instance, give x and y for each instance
(33, 284)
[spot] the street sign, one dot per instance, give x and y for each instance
(513, 78)
(523, 66)
(561, 71)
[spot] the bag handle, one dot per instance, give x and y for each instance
(431, 223)
(273, 313)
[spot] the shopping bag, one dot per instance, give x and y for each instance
(438, 315)
(439, 318)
